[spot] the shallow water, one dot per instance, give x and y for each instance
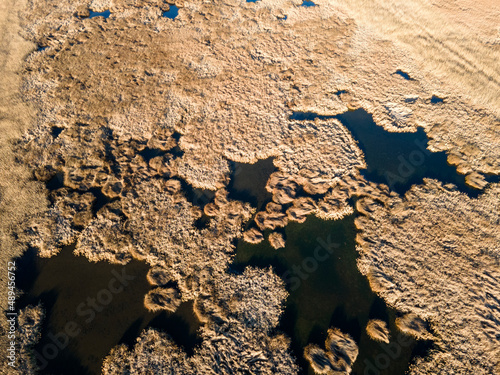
(90, 308)
(104, 14)
(172, 12)
(307, 3)
(327, 290)
(398, 160)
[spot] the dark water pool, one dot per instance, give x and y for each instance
(172, 12)
(248, 182)
(90, 308)
(327, 290)
(398, 160)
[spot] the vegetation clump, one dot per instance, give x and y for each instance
(377, 330)
(341, 352)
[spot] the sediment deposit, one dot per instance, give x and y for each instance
(276, 240)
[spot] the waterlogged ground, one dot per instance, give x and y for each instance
(318, 265)
(327, 290)
(90, 308)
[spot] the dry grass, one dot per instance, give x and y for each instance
(158, 299)
(457, 42)
(435, 253)
(19, 194)
(377, 330)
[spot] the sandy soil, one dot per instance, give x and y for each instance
(457, 42)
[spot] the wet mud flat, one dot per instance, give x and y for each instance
(327, 290)
(92, 307)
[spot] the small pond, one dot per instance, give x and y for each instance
(96, 306)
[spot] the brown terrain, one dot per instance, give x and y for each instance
(218, 85)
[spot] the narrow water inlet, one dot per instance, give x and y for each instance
(398, 160)
(92, 307)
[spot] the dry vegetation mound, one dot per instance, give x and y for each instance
(167, 299)
(341, 352)
(377, 330)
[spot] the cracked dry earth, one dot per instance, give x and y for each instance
(216, 85)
